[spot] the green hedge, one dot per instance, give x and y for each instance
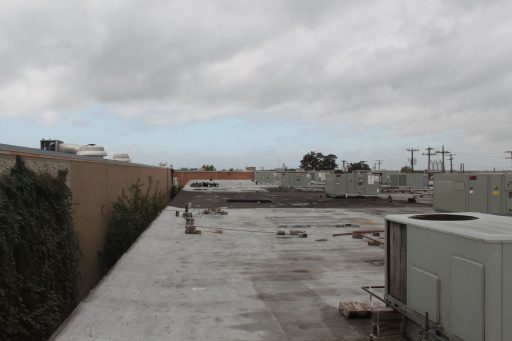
(132, 213)
(39, 254)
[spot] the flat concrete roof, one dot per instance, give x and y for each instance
(488, 228)
(246, 283)
(275, 197)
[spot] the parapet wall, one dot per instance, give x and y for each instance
(95, 185)
(185, 176)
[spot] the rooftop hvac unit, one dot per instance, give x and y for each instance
(476, 192)
(293, 179)
(92, 150)
(352, 184)
(397, 180)
(450, 275)
(121, 157)
(265, 177)
(413, 180)
(51, 145)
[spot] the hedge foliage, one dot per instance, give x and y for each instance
(175, 190)
(39, 254)
(132, 213)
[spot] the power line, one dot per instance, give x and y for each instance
(344, 163)
(379, 162)
(412, 150)
(451, 162)
(443, 152)
(509, 152)
(429, 154)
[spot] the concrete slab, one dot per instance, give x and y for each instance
(243, 284)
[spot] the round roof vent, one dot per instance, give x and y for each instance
(121, 157)
(92, 150)
(443, 217)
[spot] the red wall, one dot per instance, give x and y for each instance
(184, 176)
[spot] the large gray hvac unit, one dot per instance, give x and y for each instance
(319, 175)
(475, 192)
(265, 177)
(352, 184)
(413, 180)
(293, 179)
(454, 268)
(386, 176)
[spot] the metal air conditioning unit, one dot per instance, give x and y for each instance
(450, 275)
(293, 179)
(352, 184)
(413, 180)
(473, 192)
(265, 177)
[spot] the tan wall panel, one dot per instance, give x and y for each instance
(95, 185)
(89, 193)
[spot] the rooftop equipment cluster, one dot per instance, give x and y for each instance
(89, 150)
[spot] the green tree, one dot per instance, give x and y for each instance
(406, 169)
(358, 166)
(132, 213)
(313, 161)
(328, 162)
(207, 167)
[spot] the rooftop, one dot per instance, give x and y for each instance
(239, 280)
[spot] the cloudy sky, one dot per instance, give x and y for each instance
(258, 83)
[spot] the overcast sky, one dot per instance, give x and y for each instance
(258, 83)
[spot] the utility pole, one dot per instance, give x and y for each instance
(509, 152)
(379, 162)
(429, 154)
(412, 150)
(451, 162)
(443, 152)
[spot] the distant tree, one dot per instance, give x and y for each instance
(328, 162)
(358, 166)
(310, 161)
(318, 161)
(208, 167)
(406, 169)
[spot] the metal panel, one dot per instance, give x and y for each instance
(478, 187)
(330, 185)
(467, 299)
(450, 193)
(495, 194)
(507, 293)
(508, 194)
(396, 266)
(372, 184)
(423, 292)
(335, 184)
(359, 183)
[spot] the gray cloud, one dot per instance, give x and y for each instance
(409, 67)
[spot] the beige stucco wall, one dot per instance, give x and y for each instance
(95, 185)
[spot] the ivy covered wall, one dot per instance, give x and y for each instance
(39, 253)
